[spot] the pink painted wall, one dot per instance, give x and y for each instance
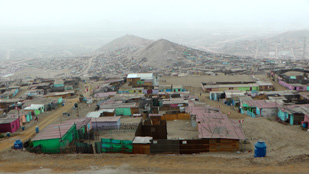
(306, 118)
(10, 127)
(286, 85)
(291, 87)
(15, 125)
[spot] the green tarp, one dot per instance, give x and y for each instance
(112, 145)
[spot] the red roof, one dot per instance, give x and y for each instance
(218, 125)
(80, 122)
(53, 131)
(59, 130)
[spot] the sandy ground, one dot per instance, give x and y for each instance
(124, 163)
(181, 129)
(196, 81)
(35, 72)
(287, 152)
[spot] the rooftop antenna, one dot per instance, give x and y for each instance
(304, 50)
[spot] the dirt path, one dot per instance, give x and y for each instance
(28, 133)
(125, 163)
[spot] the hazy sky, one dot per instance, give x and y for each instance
(130, 15)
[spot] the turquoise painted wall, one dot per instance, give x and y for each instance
(283, 115)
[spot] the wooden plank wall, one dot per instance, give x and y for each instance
(177, 116)
(223, 145)
(141, 148)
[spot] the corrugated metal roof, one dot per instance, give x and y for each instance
(245, 98)
(34, 106)
(142, 140)
(118, 105)
(106, 119)
(261, 104)
(218, 125)
(80, 122)
(7, 120)
(175, 101)
(263, 83)
(105, 94)
(94, 114)
(140, 75)
(53, 131)
(230, 85)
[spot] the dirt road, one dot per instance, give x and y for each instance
(28, 133)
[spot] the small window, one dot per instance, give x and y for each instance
(184, 142)
(155, 142)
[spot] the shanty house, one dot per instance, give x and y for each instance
(293, 114)
(265, 86)
(9, 125)
(141, 79)
(223, 87)
(260, 107)
(56, 137)
(36, 109)
(104, 123)
(122, 109)
(177, 88)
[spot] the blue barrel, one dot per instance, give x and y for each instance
(8, 134)
(37, 129)
(18, 144)
(260, 149)
(304, 125)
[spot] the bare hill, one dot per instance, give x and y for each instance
(292, 35)
(163, 53)
(130, 42)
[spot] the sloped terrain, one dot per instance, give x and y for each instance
(127, 41)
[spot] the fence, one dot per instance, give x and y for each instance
(177, 116)
(84, 148)
(64, 150)
(193, 146)
(114, 146)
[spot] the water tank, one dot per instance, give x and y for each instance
(37, 129)
(18, 144)
(260, 149)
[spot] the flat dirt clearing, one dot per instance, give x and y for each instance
(24, 162)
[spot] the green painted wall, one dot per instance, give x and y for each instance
(69, 136)
(53, 145)
(177, 89)
(247, 88)
(48, 146)
(291, 119)
(123, 111)
(60, 100)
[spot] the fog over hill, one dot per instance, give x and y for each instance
(126, 41)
